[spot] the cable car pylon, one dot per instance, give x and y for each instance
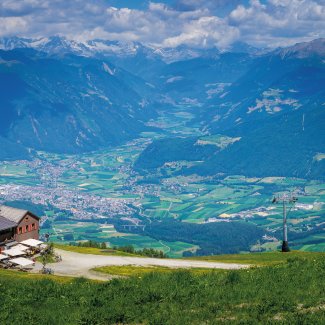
(285, 199)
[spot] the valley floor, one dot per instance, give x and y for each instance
(100, 196)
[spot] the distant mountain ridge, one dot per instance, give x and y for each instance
(99, 47)
(67, 96)
(305, 49)
(62, 45)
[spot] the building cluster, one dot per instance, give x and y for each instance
(17, 225)
(82, 205)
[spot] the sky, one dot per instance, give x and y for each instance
(168, 23)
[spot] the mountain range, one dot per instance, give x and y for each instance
(67, 96)
(275, 107)
(58, 45)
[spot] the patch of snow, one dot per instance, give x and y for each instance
(115, 48)
(165, 99)
(174, 79)
(108, 69)
(224, 94)
(273, 102)
(190, 102)
(143, 103)
(218, 88)
(150, 85)
(39, 42)
(34, 122)
(8, 63)
(81, 136)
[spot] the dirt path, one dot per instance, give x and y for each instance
(80, 265)
(168, 248)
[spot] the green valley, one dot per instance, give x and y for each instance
(101, 196)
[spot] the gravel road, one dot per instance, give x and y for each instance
(77, 265)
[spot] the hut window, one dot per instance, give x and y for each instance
(26, 228)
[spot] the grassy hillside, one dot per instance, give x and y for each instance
(139, 271)
(262, 259)
(291, 292)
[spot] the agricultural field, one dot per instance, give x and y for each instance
(69, 189)
(67, 232)
(190, 199)
(17, 173)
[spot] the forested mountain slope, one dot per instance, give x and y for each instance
(276, 114)
(68, 104)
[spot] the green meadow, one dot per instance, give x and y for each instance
(286, 290)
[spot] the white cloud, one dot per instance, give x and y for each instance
(12, 25)
(204, 32)
(279, 22)
(199, 23)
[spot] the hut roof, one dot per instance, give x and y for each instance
(14, 214)
(6, 223)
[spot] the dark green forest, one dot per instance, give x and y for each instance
(149, 252)
(276, 147)
(221, 238)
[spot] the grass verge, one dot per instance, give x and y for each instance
(133, 270)
(10, 274)
(92, 250)
(267, 258)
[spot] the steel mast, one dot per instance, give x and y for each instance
(285, 199)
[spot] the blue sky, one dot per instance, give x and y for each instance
(135, 4)
(168, 23)
(179, 5)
